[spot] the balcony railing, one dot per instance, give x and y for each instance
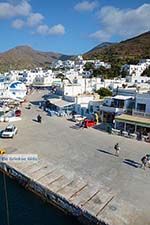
(140, 113)
(112, 109)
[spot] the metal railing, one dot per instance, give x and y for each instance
(112, 109)
(140, 113)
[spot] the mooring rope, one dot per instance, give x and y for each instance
(6, 199)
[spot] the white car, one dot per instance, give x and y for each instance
(9, 132)
(78, 118)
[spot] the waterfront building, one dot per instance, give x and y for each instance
(116, 105)
(142, 105)
(17, 90)
(14, 90)
(139, 121)
(87, 104)
(59, 106)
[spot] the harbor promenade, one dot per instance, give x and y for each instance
(80, 166)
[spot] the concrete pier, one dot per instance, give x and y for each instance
(91, 204)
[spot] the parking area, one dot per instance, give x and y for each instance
(86, 153)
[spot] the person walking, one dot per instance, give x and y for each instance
(39, 119)
(117, 149)
(144, 161)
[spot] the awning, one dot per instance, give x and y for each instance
(135, 120)
(60, 103)
(122, 97)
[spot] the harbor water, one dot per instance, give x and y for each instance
(25, 208)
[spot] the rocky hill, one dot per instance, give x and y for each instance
(127, 51)
(102, 45)
(131, 49)
(25, 57)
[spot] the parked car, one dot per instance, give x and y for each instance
(89, 123)
(9, 132)
(77, 118)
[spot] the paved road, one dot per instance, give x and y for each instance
(86, 153)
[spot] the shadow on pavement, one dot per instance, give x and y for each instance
(35, 102)
(75, 127)
(69, 119)
(100, 127)
(132, 163)
(106, 152)
(35, 120)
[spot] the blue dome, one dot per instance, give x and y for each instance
(17, 85)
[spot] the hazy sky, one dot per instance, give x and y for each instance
(70, 26)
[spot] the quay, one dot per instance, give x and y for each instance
(77, 170)
(89, 203)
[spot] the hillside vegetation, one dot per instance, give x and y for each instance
(129, 51)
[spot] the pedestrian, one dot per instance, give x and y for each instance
(117, 149)
(121, 131)
(82, 124)
(39, 118)
(144, 161)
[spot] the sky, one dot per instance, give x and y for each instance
(70, 26)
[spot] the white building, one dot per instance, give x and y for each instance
(82, 101)
(134, 72)
(37, 76)
(58, 64)
(15, 90)
(116, 105)
(69, 63)
(142, 105)
(71, 75)
(132, 90)
(98, 64)
(90, 85)
(28, 77)
(86, 104)
(80, 86)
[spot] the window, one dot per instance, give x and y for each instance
(91, 108)
(141, 107)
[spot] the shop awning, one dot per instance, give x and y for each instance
(60, 103)
(139, 121)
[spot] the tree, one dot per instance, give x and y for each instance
(103, 92)
(123, 73)
(89, 66)
(146, 72)
(101, 71)
(60, 76)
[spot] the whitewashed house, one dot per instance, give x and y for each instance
(142, 105)
(87, 103)
(15, 90)
(134, 72)
(116, 105)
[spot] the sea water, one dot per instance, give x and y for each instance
(25, 208)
